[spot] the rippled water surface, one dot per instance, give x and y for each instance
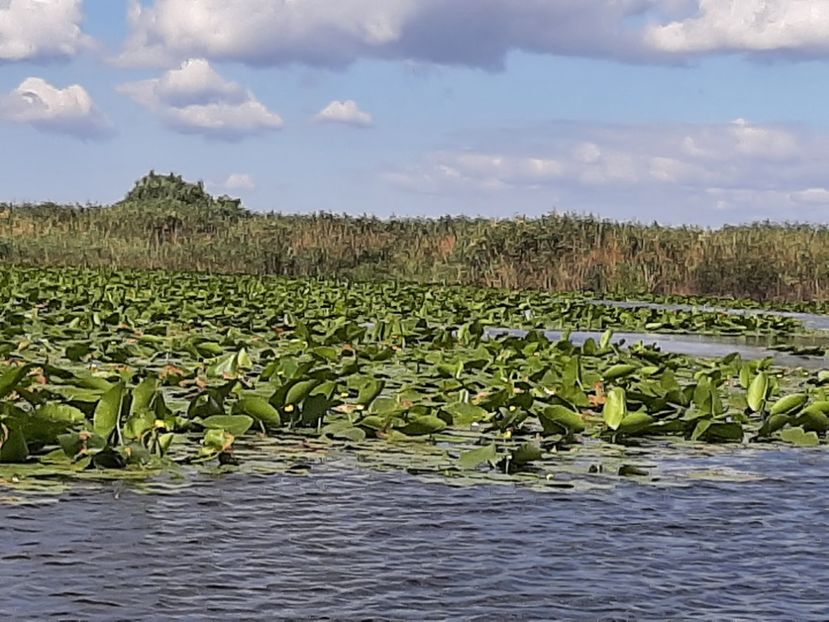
(353, 544)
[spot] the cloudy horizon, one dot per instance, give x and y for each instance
(681, 111)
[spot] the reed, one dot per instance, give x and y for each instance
(166, 223)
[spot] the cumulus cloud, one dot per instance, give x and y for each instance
(346, 113)
(239, 181)
(739, 166)
(477, 33)
(67, 111)
(195, 99)
(747, 26)
(321, 32)
(41, 29)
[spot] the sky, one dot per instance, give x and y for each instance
(703, 112)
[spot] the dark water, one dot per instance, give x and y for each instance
(349, 545)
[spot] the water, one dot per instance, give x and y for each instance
(709, 346)
(748, 346)
(346, 544)
(812, 321)
(741, 539)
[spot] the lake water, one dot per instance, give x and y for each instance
(707, 346)
(812, 321)
(742, 538)
(348, 544)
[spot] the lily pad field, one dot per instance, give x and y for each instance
(208, 446)
(140, 375)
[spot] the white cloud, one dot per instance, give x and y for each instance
(673, 171)
(195, 82)
(68, 111)
(344, 112)
(195, 99)
(769, 143)
(747, 25)
(322, 32)
(477, 33)
(41, 29)
(239, 181)
(818, 196)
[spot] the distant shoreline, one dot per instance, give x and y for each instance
(168, 223)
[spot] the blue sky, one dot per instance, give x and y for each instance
(681, 111)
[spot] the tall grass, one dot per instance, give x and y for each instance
(165, 223)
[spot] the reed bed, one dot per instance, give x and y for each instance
(167, 223)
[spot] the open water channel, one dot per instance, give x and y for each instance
(748, 542)
(346, 544)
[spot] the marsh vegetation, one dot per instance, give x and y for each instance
(167, 223)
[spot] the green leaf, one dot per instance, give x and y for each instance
(619, 371)
(774, 423)
(108, 411)
(726, 432)
(86, 380)
(373, 422)
(605, 340)
(50, 420)
(343, 430)
(164, 442)
(820, 405)
(217, 439)
(813, 420)
(259, 409)
(137, 425)
(701, 429)
(786, 405)
(385, 406)
(143, 394)
(13, 448)
(314, 409)
(300, 391)
(559, 419)
(109, 459)
(243, 359)
(230, 365)
(705, 398)
(474, 458)
(209, 348)
(464, 414)
(11, 378)
(615, 408)
(235, 425)
(745, 376)
(757, 391)
(633, 423)
(370, 389)
(425, 424)
(799, 437)
(76, 443)
(528, 452)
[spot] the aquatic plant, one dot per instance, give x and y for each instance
(165, 222)
(139, 372)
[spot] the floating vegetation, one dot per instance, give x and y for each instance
(820, 307)
(131, 375)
